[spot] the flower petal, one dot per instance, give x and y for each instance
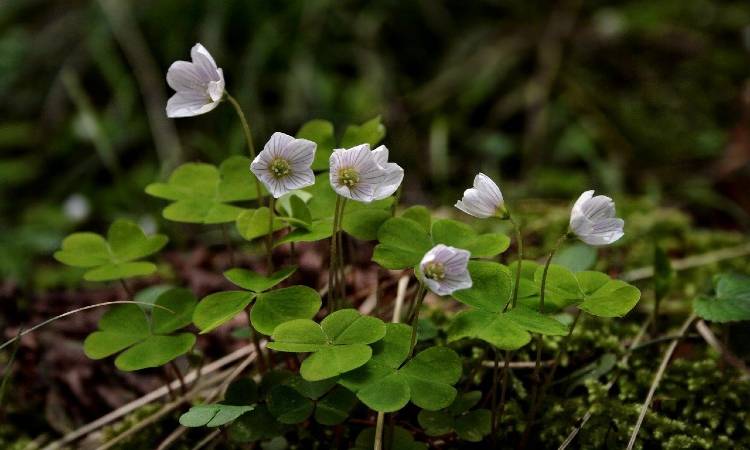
(205, 63)
(185, 76)
(188, 104)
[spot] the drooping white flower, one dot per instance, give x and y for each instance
(199, 84)
(593, 220)
(285, 164)
(360, 174)
(394, 174)
(483, 200)
(444, 269)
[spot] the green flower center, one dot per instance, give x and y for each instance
(348, 177)
(279, 168)
(434, 271)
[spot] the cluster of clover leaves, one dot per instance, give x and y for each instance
(348, 359)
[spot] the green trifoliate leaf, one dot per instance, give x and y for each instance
(461, 235)
(491, 286)
(273, 308)
(202, 193)
(214, 415)
(147, 343)
(403, 243)
(319, 229)
(365, 223)
(181, 304)
(370, 132)
(255, 425)
(320, 132)
(576, 257)
(561, 288)
(427, 379)
(216, 309)
(731, 301)
(419, 214)
(474, 425)
(593, 292)
(605, 297)
(335, 407)
(338, 344)
(470, 426)
(289, 406)
(489, 294)
(284, 203)
(295, 399)
(112, 258)
(155, 351)
(253, 281)
(119, 328)
(496, 329)
(399, 440)
(300, 215)
(253, 223)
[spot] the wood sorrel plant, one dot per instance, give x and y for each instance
(347, 357)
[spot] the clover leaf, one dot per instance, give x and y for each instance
(488, 320)
(730, 302)
(255, 425)
(403, 241)
(296, 399)
(203, 193)
(386, 384)
(338, 344)
(400, 439)
(594, 292)
(461, 235)
(213, 415)
(254, 223)
(470, 426)
(271, 307)
(147, 343)
(116, 256)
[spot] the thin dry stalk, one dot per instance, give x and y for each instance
(657, 380)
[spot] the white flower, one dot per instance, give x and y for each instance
(593, 220)
(444, 269)
(363, 175)
(394, 174)
(285, 164)
(483, 200)
(199, 84)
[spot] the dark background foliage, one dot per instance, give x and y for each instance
(637, 97)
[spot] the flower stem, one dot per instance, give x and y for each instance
(333, 259)
(414, 318)
(539, 343)
(269, 236)
(551, 375)
(127, 288)
(519, 241)
(262, 362)
(248, 139)
(228, 243)
(341, 283)
(378, 445)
